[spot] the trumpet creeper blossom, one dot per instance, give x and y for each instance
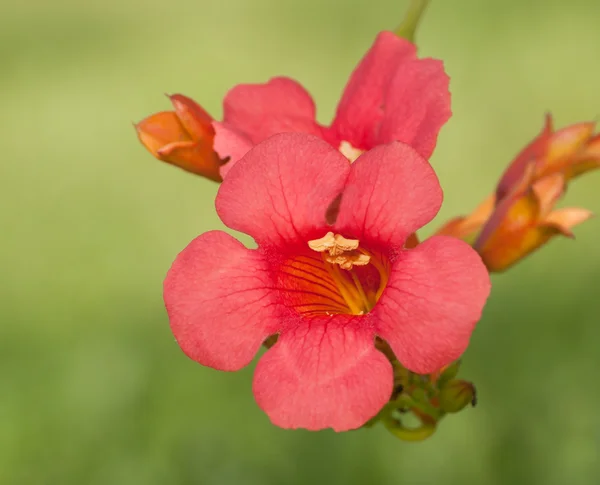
(391, 95)
(326, 287)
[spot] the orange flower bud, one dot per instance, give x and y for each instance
(519, 217)
(183, 137)
(588, 159)
(570, 151)
(524, 220)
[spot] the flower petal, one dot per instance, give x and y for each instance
(548, 191)
(194, 118)
(360, 108)
(510, 233)
(532, 153)
(567, 143)
(563, 220)
(416, 105)
(434, 298)
(194, 156)
(391, 192)
(278, 106)
(467, 227)
(279, 192)
(230, 144)
(218, 301)
(160, 129)
(325, 373)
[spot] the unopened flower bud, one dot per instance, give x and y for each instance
(183, 137)
(456, 395)
(520, 217)
(524, 221)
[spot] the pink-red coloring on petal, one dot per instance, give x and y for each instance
(392, 95)
(326, 289)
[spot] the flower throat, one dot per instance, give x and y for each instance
(337, 277)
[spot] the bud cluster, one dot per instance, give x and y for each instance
(424, 398)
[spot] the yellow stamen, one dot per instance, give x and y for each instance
(345, 290)
(381, 269)
(347, 261)
(361, 292)
(340, 253)
(333, 244)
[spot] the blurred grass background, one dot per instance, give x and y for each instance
(94, 389)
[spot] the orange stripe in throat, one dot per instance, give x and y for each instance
(316, 284)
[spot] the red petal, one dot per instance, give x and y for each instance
(278, 106)
(279, 192)
(218, 301)
(361, 106)
(416, 106)
(391, 192)
(231, 144)
(323, 374)
(433, 300)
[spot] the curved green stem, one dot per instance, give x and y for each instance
(408, 26)
(420, 433)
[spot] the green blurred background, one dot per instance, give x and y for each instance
(94, 390)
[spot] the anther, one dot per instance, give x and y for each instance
(338, 250)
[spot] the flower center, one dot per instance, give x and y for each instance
(349, 151)
(335, 276)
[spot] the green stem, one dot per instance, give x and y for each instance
(420, 433)
(409, 25)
